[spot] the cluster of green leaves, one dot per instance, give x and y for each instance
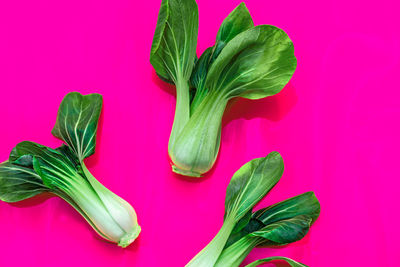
(280, 224)
(33, 169)
(246, 61)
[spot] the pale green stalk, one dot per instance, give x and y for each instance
(196, 149)
(182, 110)
(234, 255)
(208, 256)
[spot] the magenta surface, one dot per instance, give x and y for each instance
(336, 125)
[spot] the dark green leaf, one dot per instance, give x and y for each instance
(77, 122)
(251, 183)
(285, 231)
(201, 68)
(55, 169)
(239, 230)
(67, 152)
(18, 182)
(289, 261)
(173, 50)
(256, 63)
(304, 204)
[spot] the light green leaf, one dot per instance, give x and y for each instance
(18, 182)
(251, 183)
(266, 260)
(256, 63)
(173, 51)
(236, 22)
(77, 122)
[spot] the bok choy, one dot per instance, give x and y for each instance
(32, 169)
(242, 230)
(246, 61)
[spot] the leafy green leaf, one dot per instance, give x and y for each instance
(236, 22)
(289, 261)
(242, 223)
(304, 204)
(251, 183)
(68, 153)
(256, 63)
(173, 51)
(18, 182)
(199, 77)
(55, 169)
(77, 122)
(285, 231)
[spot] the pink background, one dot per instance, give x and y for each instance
(336, 125)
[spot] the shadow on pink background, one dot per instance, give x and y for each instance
(336, 125)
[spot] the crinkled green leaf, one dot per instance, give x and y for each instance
(251, 183)
(266, 260)
(173, 50)
(77, 122)
(256, 63)
(18, 182)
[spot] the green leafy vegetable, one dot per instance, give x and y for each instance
(33, 168)
(245, 61)
(242, 230)
(247, 187)
(289, 261)
(77, 123)
(280, 224)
